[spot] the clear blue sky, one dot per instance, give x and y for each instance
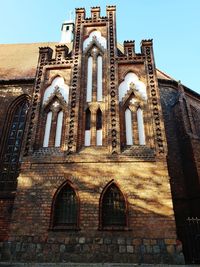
(174, 26)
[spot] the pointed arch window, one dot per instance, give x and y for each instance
(14, 132)
(113, 208)
(54, 103)
(47, 129)
(140, 122)
(89, 79)
(99, 78)
(59, 129)
(128, 127)
(87, 127)
(99, 128)
(65, 208)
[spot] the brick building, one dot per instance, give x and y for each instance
(99, 150)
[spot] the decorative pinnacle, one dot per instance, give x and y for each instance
(129, 41)
(95, 7)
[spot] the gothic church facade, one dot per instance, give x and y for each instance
(99, 150)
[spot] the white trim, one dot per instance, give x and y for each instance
(99, 137)
(87, 137)
(89, 79)
(98, 37)
(59, 129)
(125, 86)
(128, 126)
(99, 78)
(140, 122)
(63, 88)
(47, 129)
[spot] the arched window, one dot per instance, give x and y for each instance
(87, 127)
(59, 129)
(140, 122)
(14, 132)
(113, 207)
(99, 78)
(128, 127)
(65, 208)
(99, 127)
(54, 112)
(89, 79)
(47, 129)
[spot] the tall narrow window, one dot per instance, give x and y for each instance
(47, 129)
(9, 164)
(128, 127)
(140, 122)
(89, 79)
(66, 208)
(113, 207)
(99, 128)
(87, 127)
(99, 78)
(59, 129)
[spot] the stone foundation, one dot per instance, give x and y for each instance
(77, 248)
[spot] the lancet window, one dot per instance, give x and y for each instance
(65, 208)
(113, 212)
(55, 102)
(11, 144)
(99, 128)
(87, 127)
(94, 47)
(132, 98)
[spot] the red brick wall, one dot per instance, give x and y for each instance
(151, 227)
(6, 207)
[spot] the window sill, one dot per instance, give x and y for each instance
(64, 228)
(114, 228)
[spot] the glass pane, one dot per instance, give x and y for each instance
(21, 125)
(12, 134)
(19, 134)
(99, 120)
(14, 126)
(113, 208)
(87, 119)
(66, 207)
(13, 142)
(7, 157)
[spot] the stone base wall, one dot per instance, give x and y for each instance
(78, 248)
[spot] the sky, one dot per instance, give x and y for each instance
(174, 26)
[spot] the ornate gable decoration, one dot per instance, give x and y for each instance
(132, 84)
(55, 95)
(95, 39)
(58, 89)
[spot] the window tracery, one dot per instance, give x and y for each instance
(54, 107)
(132, 98)
(9, 165)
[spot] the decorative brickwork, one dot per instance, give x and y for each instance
(153, 87)
(114, 121)
(89, 195)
